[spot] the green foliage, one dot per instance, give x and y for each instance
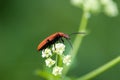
(25, 23)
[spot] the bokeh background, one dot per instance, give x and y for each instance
(24, 23)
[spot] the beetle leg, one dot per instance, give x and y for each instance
(43, 50)
(54, 46)
(48, 42)
(61, 40)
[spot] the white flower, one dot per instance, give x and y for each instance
(91, 6)
(111, 9)
(58, 48)
(57, 70)
(49, 62)
(67, 60)
(104, 2)
(46, 53)
(87, 5)
(77, 2)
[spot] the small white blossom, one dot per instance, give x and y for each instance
(49, 62)
(104, 2)
(87, 5)
(46, 53)
(91, 6)
(77, 2)
(111, 9)
(67, 60)
(57, 70)
(58, 48)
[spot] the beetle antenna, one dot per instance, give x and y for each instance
(77, 33)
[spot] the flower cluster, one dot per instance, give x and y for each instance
(51, 58)
(109, 7)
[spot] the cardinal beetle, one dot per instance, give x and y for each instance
(52, 39)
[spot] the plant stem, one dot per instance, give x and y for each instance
(56, 64)
(101, 69)
(78, 39)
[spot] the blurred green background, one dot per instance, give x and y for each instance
(24, 23)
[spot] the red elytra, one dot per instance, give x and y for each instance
(51, 40)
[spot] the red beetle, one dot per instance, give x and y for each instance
(54, 38)
(51, 40)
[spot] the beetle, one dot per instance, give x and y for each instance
(52, 39)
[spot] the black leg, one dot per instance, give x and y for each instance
(54, 46)
(62, 40)
(48, 43)
(69, 43)
(48, 40)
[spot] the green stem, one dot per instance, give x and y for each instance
(56, 64)
(44, 74)
(101, 69)
(78, 39)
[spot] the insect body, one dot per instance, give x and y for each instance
(51, 40)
